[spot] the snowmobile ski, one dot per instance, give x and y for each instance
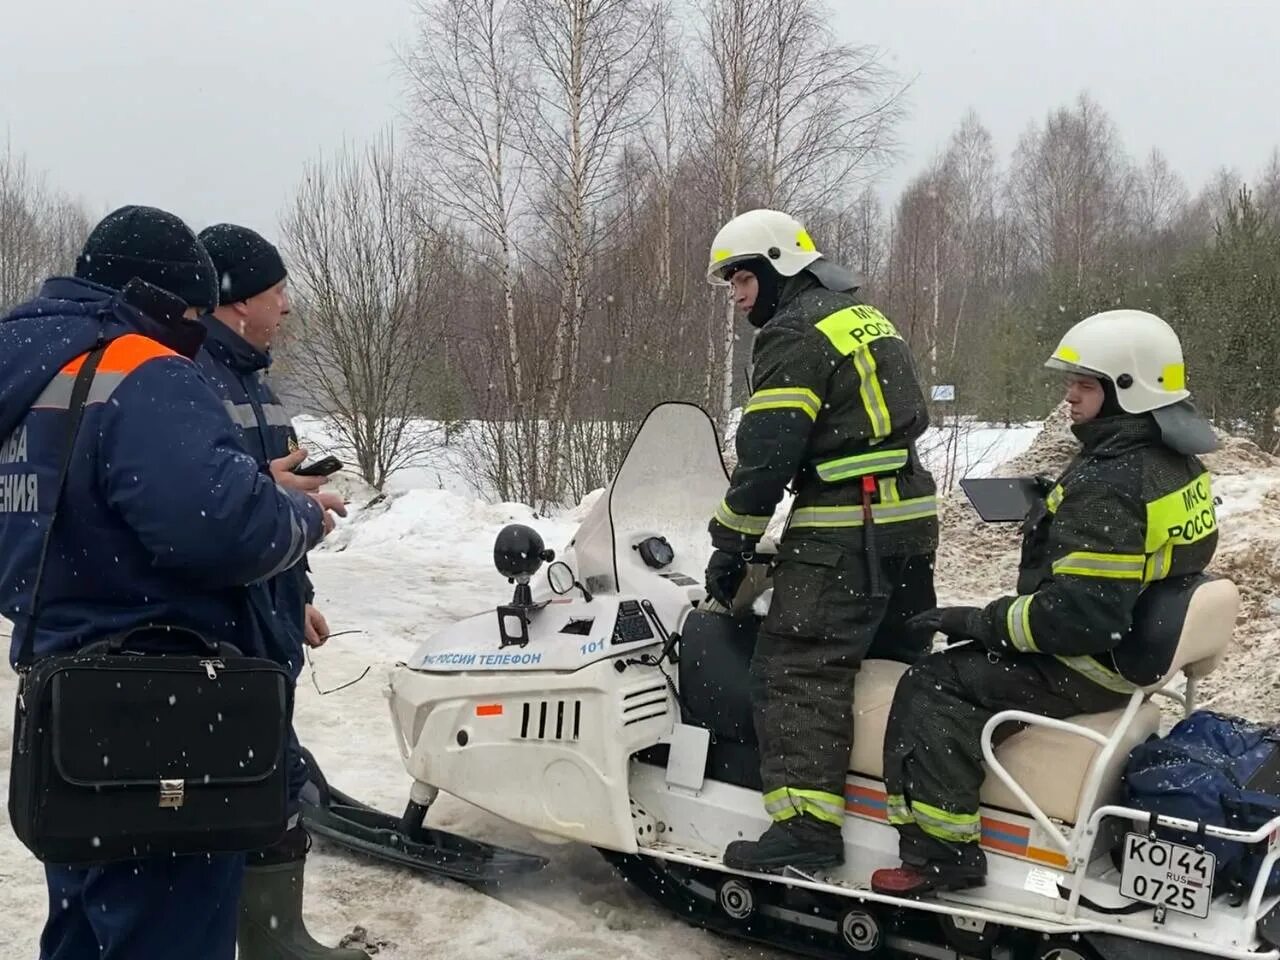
(359, 827)
(332, 814)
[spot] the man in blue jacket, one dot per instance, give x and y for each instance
(252, 302)
(171, 523)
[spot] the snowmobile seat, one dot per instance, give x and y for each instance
(1050, 765)
(1183, 625)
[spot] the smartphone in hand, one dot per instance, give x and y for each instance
(321, 468)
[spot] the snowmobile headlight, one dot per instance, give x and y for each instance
(656, 552)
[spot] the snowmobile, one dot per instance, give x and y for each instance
(608, 704)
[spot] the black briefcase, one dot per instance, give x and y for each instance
(156, 742)
(120, 753)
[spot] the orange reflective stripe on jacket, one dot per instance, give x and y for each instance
(122, 357)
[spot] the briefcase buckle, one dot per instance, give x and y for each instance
(172, 793)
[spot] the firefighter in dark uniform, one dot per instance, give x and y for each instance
(1132, 508)
(834, 413)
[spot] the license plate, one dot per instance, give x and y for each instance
(1167, 874)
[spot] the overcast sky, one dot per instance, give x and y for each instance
(212, 107)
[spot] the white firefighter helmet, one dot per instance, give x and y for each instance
(778, 237)
(1135, 350)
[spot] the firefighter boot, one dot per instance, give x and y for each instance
(803, 842)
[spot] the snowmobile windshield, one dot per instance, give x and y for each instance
(668, 486)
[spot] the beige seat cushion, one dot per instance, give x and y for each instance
(1050, 765)
(872, 697)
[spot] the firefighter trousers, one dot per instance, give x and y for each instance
(823, 621)
(933, 763)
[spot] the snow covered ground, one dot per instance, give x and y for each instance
(407, 564)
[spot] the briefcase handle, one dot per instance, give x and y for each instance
(182, 641)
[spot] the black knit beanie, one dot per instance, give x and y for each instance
(246, 262)
(152, 245)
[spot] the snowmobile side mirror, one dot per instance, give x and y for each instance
(561, 579)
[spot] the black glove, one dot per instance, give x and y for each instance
(1043, 484)
(725, 573)
(958, 624)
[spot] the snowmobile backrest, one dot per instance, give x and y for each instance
(1182, 624)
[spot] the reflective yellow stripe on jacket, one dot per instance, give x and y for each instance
(784, 398)
(898, 511)
(851, 331)
(846, 468)
(751, 526)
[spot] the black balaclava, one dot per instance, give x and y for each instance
(1110, 402)
(770, 289)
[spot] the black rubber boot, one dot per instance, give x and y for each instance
(271, 926)
(803, 842)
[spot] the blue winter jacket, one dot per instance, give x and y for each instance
(165, 519)
(235, 369)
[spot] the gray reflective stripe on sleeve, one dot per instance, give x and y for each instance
(917, 508)
(241, 414)
(57, 395)
(1018, 620)
(862, 464)
(297, 548)
(1090, 668)
(275, 415)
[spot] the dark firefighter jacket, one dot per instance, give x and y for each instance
(835, 403)
(1127, 511)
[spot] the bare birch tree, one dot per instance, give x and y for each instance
(665, 133)
(588, 57)
(1159, 195)
(367, 283)
(828, 109)
(464, 94)
(732, 38)
(971, 192)
(1069, 185)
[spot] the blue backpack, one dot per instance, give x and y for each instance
(1214, 769)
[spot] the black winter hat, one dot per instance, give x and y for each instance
(245, 261)
(152, 245)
